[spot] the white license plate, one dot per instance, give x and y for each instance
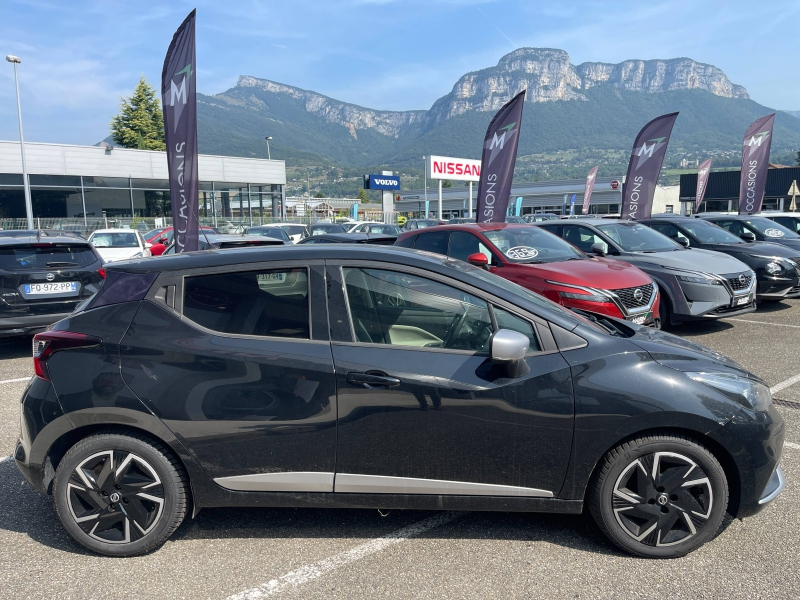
(271, 277)
(61, 287)
(740, 301)
(640, 320)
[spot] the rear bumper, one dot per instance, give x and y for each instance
(27, 325)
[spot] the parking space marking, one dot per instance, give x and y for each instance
(17, 380)
(785, 384)
(765, 323)
(315, 570)
(791, 445)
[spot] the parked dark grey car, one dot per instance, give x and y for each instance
(777, 267)
(381, 377)
(755, 228)
(694, 283)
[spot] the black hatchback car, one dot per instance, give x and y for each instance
(380, 377)
(777, 267)
(43, 277)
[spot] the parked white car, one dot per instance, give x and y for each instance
(119, 244)
(358, 226)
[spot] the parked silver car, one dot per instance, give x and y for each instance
(694, 283)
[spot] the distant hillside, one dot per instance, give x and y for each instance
(591, 108)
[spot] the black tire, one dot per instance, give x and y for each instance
(664, 312)
(128, 497)
(640, 498)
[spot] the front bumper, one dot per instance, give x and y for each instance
(775, 486)
(703, 301)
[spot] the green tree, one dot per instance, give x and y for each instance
(319, 195)
(140, 123)
(362, 196)
(447, 183)
(797, 159)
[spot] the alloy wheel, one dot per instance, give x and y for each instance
(662, 499)
(115, 497)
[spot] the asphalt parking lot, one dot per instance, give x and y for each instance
(255, 553)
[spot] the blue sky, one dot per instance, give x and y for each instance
(80, 56)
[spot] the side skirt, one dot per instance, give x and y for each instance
(392, 501)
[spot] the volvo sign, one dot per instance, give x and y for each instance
(381, 182)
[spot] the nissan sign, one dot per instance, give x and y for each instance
(381, 182)
(446, 167)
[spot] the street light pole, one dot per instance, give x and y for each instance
(268, 138)
(28, 206)
(425, 162)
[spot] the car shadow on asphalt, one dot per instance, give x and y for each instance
(693, 328)
(26, 511)
(15, 347)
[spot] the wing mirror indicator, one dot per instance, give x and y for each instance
(479, 260)
(600, 248)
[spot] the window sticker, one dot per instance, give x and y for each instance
(522, 252)
(776, 233)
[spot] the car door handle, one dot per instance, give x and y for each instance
(372, 380)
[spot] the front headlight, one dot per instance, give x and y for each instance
(746, 392)
(585, 297)
(699, 278)
(773, 268)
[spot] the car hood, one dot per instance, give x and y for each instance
(706, 261)
(111, 254)
(684, 355)
(602, 273)
(793, 243)
(760, 249)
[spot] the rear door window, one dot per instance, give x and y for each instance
(46, 256)
(433, 242)
(269, 302)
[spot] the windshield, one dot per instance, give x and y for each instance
(424, 224)
(273, 232)
(770, 229)
(114, 240)
(708, 233)
(531, 245)
(384, 229)
(792, 223)
(320, 229)
(45, 256)
(635, 237)
(293, 229)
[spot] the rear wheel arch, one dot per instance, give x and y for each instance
(723, 456)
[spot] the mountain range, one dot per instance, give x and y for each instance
(587, 107)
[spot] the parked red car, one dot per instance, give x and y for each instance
(162, 237)
(546, 264)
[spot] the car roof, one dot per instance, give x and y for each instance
(214, 238)
(779, 213)
(114, 230)
(50, 239)
(734, 217)
(353, 237)
(669, 217)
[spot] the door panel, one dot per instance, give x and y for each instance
(243, 405)
(452, 419)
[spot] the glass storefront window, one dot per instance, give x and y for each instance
(11, 179)
(107, 202)
(12, 203)
(58, 203)
(150, 184)
(232, 199)
(151, 203)
(60, 180)
(106, 182)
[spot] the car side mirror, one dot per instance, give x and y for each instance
(683, 242)
(748, 236)
(600, 248)
(507, 347)
(479, 260)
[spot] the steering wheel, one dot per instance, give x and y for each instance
(453, 329)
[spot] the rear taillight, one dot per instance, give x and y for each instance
(102, 273)
(45, 344)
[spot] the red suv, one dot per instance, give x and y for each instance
(546, 264)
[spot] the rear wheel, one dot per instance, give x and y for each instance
(659, 496)
(119, 494)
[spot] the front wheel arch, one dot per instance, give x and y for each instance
(724, 457)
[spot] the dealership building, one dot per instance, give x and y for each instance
(96, 182)
(722, 192)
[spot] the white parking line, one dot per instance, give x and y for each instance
(765, 323)
(791, 445)
(313, 571)
(15, 380)
(785, 384)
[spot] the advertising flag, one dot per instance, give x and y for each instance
(179, 101)
(587, 191)
(498, 160)
(644, 167)
(702, 184)
(572, 205)
(755, 163)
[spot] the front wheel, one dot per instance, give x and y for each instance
(660, 496)
(120, 494)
